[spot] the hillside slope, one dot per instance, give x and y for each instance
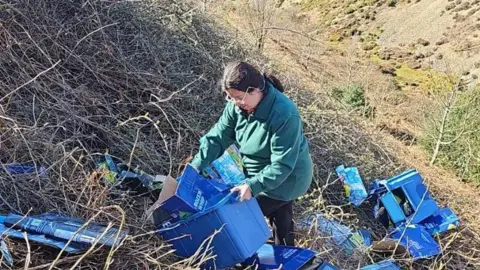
(305, 41)
(139, 79)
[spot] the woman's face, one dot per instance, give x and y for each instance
(247, 101)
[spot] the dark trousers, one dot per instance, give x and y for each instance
(280, 215)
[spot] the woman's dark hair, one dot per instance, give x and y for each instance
(241, 75)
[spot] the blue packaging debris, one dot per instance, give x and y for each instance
(404, 205)
(383, 265)
(326, 266)
(443, 220)
(280, 257)
(189, 194)
(353, 184)
(231, 231)
(228, 168)
(72, 248)
(117, 174)
(339, 234)
(65, 228)
(215, 221)
(404, 197)
(394, 210)
(6, 255)
(25, 168)
(417, 240)
(367, 237)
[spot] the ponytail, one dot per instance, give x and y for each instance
(275, 81)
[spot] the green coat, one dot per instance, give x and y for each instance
(274, 149)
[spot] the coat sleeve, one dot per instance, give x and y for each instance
(217, 140)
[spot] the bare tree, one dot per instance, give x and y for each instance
(443, 122)
(261, 14)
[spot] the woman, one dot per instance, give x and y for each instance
(268, 129)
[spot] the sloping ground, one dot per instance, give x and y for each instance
(408, 22)
(137, 78)
(84, 77)
(339, 136)
(451, 32)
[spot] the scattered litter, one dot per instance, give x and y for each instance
(353, 184)
(367, 237)
(326, 266)
(6, 255)
(24, 168)
(72, 248)
(280, 257)
(404, 205)
(441, 221)
(417, 240)
(239, 229)
(388, 246)
(121, 176)
(191, 193)
(340, 235)
(228, 168)
(402, 197)
(56, 230)
(383, 265)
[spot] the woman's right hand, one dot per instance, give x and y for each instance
(244, 190)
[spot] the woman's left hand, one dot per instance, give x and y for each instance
(244, 190)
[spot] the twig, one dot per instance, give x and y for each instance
(27, 259)
(30, 81)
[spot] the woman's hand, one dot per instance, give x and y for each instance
(244, 190)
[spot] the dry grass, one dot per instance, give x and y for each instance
(137, 78)
(79, 78)
(338, 136)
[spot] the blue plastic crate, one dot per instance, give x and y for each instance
(240, 226)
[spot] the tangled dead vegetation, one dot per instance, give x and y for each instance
(138, 79)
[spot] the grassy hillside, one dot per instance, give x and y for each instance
(139, 79)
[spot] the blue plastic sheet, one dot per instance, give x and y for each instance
(326, 266)
(25, 168)
(354, 187)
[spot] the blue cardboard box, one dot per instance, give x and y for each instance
(189, 194)
(405, 197)
(442, 221)
(417, 240)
